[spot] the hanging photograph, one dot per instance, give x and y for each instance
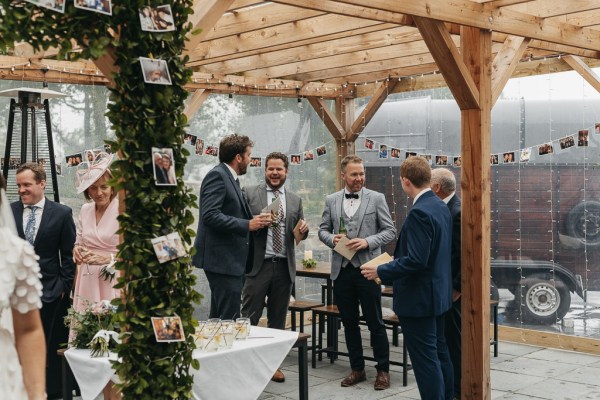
(410, 154)
(164, 167)
(199, 146)
(597, 128)
(369, 144)
(58, 165)
(457, 161)
(295, 159)
(525, 155)
(566, 142)
(309, 155)
(99, 6)
(383, 151)
(582, 140)
(545, 148)
(174, 242)
(73, 160)
(255, 162)
(211, 151)
(155, 71)
(508, 157)
(54, 5)
(107, 149)
(427, 157)
(157, 19)
(441, 160)
(394, 152)
(168, 329)
(321, 151)
(494, 159)
(189, 139)
(165, 247)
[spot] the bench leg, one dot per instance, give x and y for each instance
(395, 335)
(303, 369)
(314, 339)
(301, 321)
(67, 379)
(321, 331)
(495, 331)
(404, 364)
(293, 314)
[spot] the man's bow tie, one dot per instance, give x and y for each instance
(351, 195)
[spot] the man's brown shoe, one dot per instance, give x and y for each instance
(382, 381)
(278, 376)
(354, 378)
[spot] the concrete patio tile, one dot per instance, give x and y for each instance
(557, 390)
(511, 381)
(587, 374)
(533, 367)
(517, 349)
(290, 386)
(363, 391)
(563, 356)
(516, 396)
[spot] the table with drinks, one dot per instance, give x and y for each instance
(237, 361)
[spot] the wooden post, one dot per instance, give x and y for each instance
(344, 111)
(475, 184)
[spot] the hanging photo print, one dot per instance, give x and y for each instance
(545, 148)
(309, 155)
(410, 154)
(58, 165)
(295, 159)
(494, 159)
(99, 6)
(457, 161)
(566, 142)
(73, 160)
(189, 139)
(199, 146)
(525, 154)
(369, 144)
(597, 128)
(321, 151)
(168, 329)
(441, 160)
(427, 157)
(508, 157)
(211, 151)
(164, 167)
(157, 19)
(394, 152)
(168, 247)
(583, 138)
(383, 151)
(155, 71)
(54, 5)
(255, 162)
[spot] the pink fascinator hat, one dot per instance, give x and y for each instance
(90, 172)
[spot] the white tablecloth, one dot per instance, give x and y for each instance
(241, 372)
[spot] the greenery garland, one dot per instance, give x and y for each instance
(143, 116)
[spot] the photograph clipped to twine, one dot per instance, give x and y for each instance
(168, 329)
(168, 247)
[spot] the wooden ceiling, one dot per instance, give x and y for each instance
(348, 46)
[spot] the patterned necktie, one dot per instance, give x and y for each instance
(277, 238)
(30, 227)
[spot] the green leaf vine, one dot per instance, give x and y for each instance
(143, 116)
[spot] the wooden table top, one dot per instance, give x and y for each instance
(322, 270)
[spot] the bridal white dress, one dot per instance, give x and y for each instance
(20, 290)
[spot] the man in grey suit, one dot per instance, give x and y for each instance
(223, 241)
(274, 263)
(368, 222)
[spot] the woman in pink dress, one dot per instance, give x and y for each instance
(97, 237)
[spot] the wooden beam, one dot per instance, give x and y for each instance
(449, 61)
(295, 56)
(469, 13)
(344, 112)
(194, 103)
(504, 3)
(475, 218)
(578, 65)
(205, 16)
(106, 65)
(553, 8)
(505, 63)
(350, 10)
(371, 108)
(553, 340)
(329, 119)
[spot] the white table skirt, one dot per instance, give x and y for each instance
(241, 372)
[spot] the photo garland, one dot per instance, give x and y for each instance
(385, 151)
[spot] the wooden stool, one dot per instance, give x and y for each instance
(301, 307)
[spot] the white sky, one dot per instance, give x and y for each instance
(563, 85)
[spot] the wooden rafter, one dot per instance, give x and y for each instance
(505, 63)
(381, 93)
(449, 61)
(329, 118)
(195, 101)
(553, 8)
(578, 65)
(205, 16)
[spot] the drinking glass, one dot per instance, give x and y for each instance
(242, 328)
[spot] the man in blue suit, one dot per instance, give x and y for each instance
(443, 184)
(49, 228)
(223, 242)
(420, 273)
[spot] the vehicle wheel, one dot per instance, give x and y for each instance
(583, 223)
(545, 300)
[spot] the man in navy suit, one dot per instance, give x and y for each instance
(443, 184)
(223, 242)
(420, 273)
(49, 227)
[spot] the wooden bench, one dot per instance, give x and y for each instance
(300, 306)
(323, 312)
(302, 346)
(68, 379)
